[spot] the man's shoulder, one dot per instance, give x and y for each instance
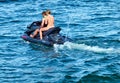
(51, 16)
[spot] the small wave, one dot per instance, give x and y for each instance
(108, 33)
(10, 0)
(71, 46)
(100, 79)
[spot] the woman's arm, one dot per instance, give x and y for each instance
(42, 24)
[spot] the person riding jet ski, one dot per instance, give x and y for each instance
(47, 23)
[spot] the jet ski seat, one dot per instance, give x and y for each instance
(53, 30)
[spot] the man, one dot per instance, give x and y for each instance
(50, 23)
(44, 23)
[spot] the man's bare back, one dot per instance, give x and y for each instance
(50, 20)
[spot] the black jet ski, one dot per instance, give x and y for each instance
(50, 37)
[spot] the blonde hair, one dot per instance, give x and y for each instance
(48, 11)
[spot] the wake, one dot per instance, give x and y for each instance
(73, 46)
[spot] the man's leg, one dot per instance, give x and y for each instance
(41, 30)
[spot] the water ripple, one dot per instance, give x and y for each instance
(92, 57)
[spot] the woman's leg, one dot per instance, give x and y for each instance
(35, 33)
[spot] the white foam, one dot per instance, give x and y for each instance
(71, 46)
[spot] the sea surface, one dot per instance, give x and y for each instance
(92, 57)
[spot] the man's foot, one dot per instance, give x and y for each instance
(43, 41)
(40, 39)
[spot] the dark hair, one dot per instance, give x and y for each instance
(43, 13)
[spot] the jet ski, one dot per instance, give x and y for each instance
(50, 37)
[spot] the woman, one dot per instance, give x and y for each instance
(44, 23)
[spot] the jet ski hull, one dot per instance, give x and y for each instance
(50, 37)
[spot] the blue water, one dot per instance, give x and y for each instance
(92, 57)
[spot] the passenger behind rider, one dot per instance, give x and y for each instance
(50, 23)
(47, 20)
(44, 23)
